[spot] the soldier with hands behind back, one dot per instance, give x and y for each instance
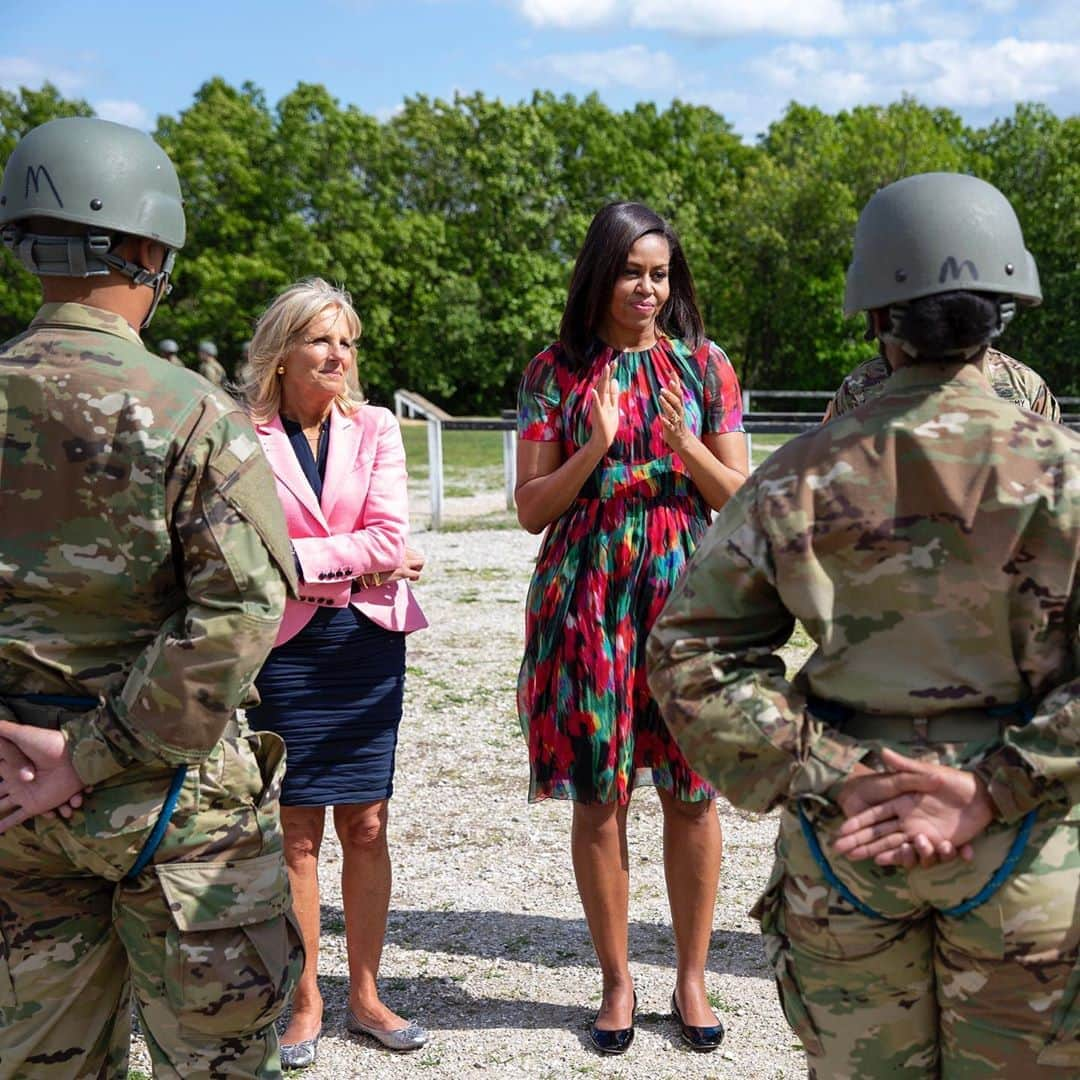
(921, 916)
(144, 565)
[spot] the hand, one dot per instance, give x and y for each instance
(673, 415)
(410, 567)
(604, 408)
(933, 814)
(36, 774)
(864, 789)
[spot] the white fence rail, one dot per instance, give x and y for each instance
(408, 403)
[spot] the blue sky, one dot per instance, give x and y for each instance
(745, 58)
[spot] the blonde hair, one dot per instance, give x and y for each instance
(278, 330)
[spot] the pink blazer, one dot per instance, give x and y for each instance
(359, 526)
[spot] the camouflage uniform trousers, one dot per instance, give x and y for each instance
(993, 993)
(204, 935)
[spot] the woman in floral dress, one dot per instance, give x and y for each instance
(630, 434)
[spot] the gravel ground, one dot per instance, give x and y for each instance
(486, 944)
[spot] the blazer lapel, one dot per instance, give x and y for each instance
(286, 468)
(346, 433)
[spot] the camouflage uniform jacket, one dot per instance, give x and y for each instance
(929, 543)
(1011, 380)
(142, 548)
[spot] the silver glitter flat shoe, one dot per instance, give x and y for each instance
(410, 1037)
(299, 1055)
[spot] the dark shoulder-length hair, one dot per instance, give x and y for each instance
(612, 233)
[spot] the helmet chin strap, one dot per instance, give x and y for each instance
(85, 256)
(157, 280)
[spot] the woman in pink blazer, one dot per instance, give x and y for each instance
(332, 686)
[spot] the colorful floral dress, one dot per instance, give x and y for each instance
(605, 569)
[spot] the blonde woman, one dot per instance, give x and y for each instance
(332, 686)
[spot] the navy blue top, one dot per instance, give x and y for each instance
(314, 468)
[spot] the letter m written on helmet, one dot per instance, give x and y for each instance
(35, 176)
(950, 268)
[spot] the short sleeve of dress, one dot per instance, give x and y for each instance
(539, 404)
(722, 395)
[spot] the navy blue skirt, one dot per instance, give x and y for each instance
(333, 693)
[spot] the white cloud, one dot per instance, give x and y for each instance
(16, 71)
(954, 73)
(1000, 73)
(718, 18)
(123, 112)
(1058, 20)
(568, 14)
(632, 66)
(385, 113)
(733, 18)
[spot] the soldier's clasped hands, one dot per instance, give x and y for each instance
(36, 774)
(915, 812)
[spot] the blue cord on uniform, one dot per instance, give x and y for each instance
(83, 704)
(997, 879)
(59, 701)
(827, 871)
(1016, 849)
(160, 825)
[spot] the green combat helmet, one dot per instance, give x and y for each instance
(112, 179)
(935, 233)
(168, 347)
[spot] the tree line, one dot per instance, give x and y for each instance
(455, 223)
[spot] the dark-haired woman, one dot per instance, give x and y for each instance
(631, 434)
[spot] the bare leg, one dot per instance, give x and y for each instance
(602, 869)
(365, 890)
(692, 849)
(303, 829)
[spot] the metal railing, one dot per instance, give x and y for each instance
(406, 402)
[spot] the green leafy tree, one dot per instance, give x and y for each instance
(20, 293)
(1034, 158)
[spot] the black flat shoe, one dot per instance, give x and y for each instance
(616, 1040)
(702, 1039)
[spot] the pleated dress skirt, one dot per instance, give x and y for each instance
(334, 693)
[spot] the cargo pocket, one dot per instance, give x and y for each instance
(233, 952)
(778, 952)
(1063, 1049)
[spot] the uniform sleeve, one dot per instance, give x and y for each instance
(842, 401)
(379, 544)
(1039, 762)
(722, 395)
(1045, 404)
(232, 548)
(716, 672)
(539, 403)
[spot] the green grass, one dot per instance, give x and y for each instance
(763, 445)
(462, 450)
(466, 451)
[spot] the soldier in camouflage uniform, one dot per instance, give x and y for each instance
(144, 563)
(209, 364)
(929, 542)
(1010, 379)
(169, 350)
